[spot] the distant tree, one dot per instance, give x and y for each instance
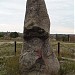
(59, 37)
(62, 37)
(1, 34)
(65, 38)
(14, 35)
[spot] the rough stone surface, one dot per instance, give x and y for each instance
(36, 15)
(37, 56)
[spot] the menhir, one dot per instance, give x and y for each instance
(37, 55)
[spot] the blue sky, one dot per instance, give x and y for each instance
(61, 13)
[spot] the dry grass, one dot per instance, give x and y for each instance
(10, 65)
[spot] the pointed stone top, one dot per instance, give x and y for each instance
(36, 15)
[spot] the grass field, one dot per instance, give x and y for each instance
(9, 63)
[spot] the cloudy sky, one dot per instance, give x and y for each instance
(61, 13)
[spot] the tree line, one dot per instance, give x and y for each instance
(9, 34)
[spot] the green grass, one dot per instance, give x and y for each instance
(66, 49)
(7, 49)
(67, 67)
(10, 65)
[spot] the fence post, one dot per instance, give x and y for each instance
(68, 38)
(15, 47)
(58, 49)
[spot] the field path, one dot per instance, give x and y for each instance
(70, 59)
(11, 42)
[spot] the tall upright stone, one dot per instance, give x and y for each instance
(37, 56)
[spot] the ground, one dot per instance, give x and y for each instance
(9, 62)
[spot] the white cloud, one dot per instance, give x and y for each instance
(61, 29)
(12, 14)
(3, 12)
(74, 17)
(61, 14)
(11, 28)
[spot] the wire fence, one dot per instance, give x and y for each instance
(64, 49)
(61, 49)
(10, 50)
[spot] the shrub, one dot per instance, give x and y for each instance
(1, 34)
(14, 34)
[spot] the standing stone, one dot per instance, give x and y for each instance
(37, 56)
